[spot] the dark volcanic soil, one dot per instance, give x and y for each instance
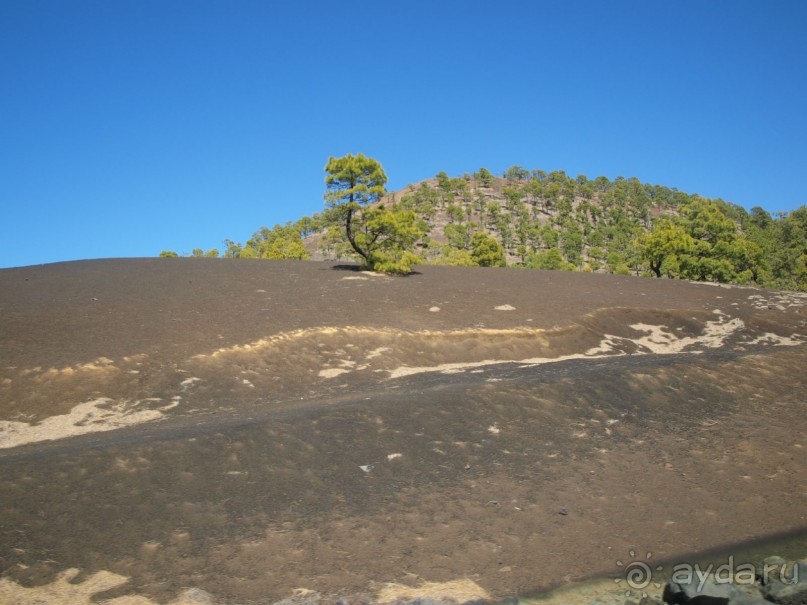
(252, 427)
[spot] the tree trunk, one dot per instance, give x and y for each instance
(352, 240)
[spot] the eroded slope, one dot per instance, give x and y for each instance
(429, 436)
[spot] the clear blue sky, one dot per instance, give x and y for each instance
(132, 126)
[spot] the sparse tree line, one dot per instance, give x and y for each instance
(535, 219)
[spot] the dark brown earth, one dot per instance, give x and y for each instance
(292, 445)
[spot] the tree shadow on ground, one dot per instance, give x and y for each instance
(359, 268)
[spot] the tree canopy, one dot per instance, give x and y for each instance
(381, 236)
(353, 179)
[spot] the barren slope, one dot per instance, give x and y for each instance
(254, 427)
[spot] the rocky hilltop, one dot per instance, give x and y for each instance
(539, 220)
(551, 221)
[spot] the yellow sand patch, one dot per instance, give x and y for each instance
(659, 340)
(332, 372)
(459, 590)
(307, 333)
(770, 338)
(377, 352)
(607, 591)
(89, 417)
(62, 591)
(102, 364)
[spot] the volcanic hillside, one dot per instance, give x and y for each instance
(233, 431)
(527, 214)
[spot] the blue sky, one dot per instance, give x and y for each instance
(132, 126)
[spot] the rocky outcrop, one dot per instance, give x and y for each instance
(785, 589)
(777, 581)
(706, 592)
